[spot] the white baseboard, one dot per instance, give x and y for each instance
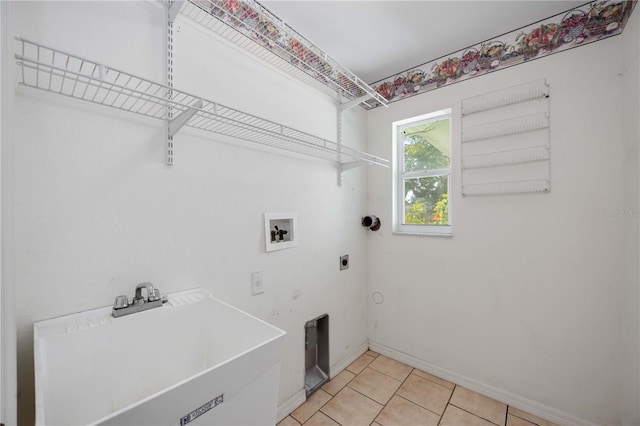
(301, 396)
(346, 361)
(291, 404)
(524, 404)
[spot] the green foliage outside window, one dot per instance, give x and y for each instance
(427, 148)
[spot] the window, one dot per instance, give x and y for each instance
(422, 174)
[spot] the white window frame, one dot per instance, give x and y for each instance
(399, 176)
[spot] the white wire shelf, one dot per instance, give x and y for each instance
(506, 158)
(252, 27)
(513, 187)
(54, 71)
(527, 123)
(510, 95)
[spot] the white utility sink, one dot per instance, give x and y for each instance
(195, 360)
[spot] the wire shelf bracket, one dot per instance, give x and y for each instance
(61, 73)
(342, 167)
(177, 123)
(254, 28)
(345, 106)
(174, 9)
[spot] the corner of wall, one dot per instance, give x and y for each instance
(630, 298)
(8, 374)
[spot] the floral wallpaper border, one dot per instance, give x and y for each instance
(580, 26)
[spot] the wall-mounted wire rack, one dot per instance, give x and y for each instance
(256, 29)
(527, 123)
(504, 97)
(507, 150)
(506, 157)
(511, 187)
(54, 71)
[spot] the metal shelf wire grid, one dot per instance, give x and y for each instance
(65, 74)
(510, 95)
(527, 123)
(506, 157)
(251, 26)
(513, 187)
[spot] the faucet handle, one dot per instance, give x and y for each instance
(121, 302)
(154, 295)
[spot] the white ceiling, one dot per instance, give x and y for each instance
(377, 39)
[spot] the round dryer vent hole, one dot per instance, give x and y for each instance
(377, 297)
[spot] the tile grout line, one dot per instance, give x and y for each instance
(448, 402)
(347, 385)
(371, 399)
(382, 372)
(476, 415)
(407, 378)
(408, 400)
(506, 415)
(323, 405)
(319, 408)
(319, 411)
(395, 393)
(435, 383)
(521, 418)
(418, 405)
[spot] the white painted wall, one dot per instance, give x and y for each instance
(97, 210)
(630, 370)
(525, 301)
(8, 379)
(534, 298)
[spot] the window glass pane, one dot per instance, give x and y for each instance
(427, 146)
(426, 201)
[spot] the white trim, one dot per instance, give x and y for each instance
(346, 361)
(301, 396)
(291, 404)
(3, 38)
(432, 230)
(429, 173)
(398, 177)
(551, 414)
(435, 114)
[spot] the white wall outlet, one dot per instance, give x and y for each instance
(257, 283)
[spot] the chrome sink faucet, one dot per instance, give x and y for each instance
(152, 294)
(139, 303)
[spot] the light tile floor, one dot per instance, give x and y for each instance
(379, 391)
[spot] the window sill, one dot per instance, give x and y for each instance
(444, 232)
